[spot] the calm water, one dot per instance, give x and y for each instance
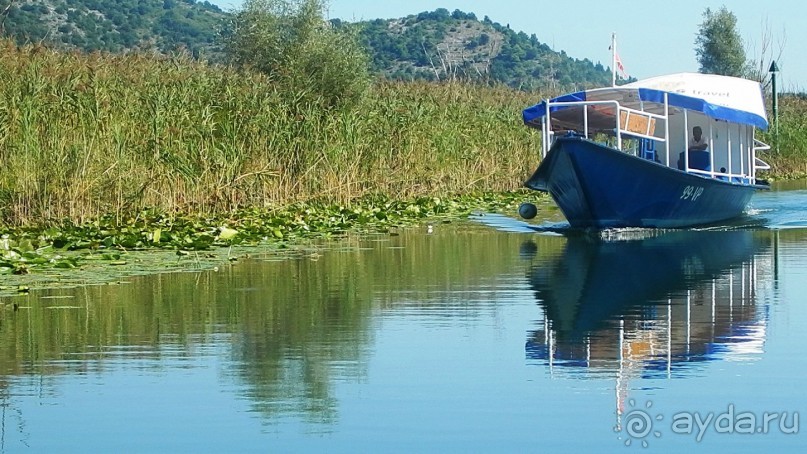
(481, 336)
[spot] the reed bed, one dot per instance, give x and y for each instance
(788, 154)
(87, 135)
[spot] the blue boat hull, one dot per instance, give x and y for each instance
(598, 187)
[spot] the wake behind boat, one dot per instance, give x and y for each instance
(669, 152)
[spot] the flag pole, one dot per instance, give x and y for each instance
(613, 59)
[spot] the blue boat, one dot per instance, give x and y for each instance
(667, 152)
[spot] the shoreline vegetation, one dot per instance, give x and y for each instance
(87, 135)
(106, 152)
(107, 250)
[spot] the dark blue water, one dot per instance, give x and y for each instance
(480, 336)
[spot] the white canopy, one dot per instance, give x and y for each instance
(731, 92)
(722, 97)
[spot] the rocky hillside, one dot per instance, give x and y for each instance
(440, 45)
(114, 25)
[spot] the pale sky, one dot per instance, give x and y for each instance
(653, 37)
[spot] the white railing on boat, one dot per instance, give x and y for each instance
(759, 163)
(638, 124)
(628, 113)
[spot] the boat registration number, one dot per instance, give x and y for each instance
(691, 193)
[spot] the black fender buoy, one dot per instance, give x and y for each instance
(527, 210)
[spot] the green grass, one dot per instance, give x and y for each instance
(85, 136)
(788, 154)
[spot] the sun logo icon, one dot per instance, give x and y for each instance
(638, 424)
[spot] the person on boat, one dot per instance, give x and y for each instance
(698, 156)
(697, 142)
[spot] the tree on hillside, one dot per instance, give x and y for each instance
(292, 43)
(718, 45)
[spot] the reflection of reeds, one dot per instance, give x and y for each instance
(82, 135)
(294, 325)
(288, 297)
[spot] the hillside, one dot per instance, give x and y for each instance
(114, 25)
(436, 45)
(440, 45)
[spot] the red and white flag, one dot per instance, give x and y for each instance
(619, 65)
(616, 62)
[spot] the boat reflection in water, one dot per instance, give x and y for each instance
(660, 306)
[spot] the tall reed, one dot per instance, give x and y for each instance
(788, 154)
(86, 135)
